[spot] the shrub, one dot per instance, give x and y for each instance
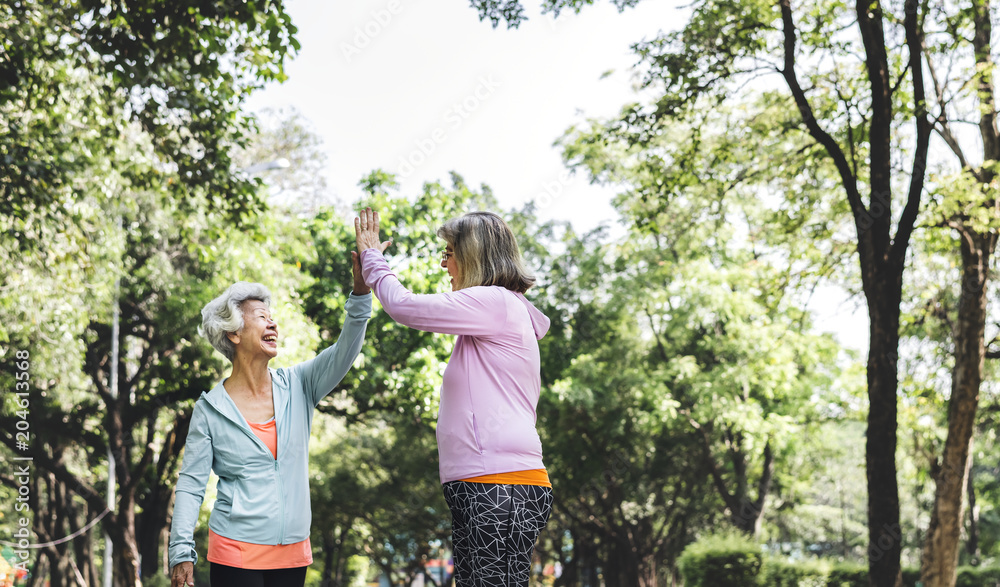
(783, 573)
(910, 576)
(977, 577)
(730, 560)
(848, 575)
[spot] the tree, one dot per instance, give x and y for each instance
(179, 71)
(165, 278)
(285, 136)
(124, 111)
(855, 113)
(966, 203)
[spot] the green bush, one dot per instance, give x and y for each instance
(848, 575)
(712, 561)
(734, 561)
(844, 575)
(978, 577)
(783, 573)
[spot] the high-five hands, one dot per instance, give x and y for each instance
(366, 230)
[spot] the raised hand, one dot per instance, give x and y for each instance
(366, 230)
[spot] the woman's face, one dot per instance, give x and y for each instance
(448, 262)
(260, 331)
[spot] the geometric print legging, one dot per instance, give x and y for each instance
(493, 531)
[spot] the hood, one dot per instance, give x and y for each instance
(540, 322)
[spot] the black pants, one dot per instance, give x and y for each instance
(493, 531)
(223, 576)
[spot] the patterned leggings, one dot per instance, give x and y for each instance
(493, 531)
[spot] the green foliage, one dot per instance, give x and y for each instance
(848, 575)
(401, 367)
(179, 71)
(961, 197)
(512, 12)
(373, 493)
(911, 576)
(722, 559)
(806, 573)
(159, 259)
(974, 577)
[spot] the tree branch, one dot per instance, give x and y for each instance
(982, 44)
(809, 119)
(942, 124)
(713, 467)
(136, 474)
(915, 43)
(766, 475)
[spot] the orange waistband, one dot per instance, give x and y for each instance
(529, 477)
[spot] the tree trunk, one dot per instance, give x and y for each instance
(126, 556)
(570, 566)
(881, 254)
(83, 550)
(972, 546)
(149, 530)
(335, 554)
(326, 575)
(939, 561)
(50, 524)
(38, 570)
(149, 533)
(884, 534)
(627, 558)
(61, 572)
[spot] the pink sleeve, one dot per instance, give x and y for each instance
(477, 311)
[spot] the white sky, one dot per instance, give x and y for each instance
(485, 103)
(421, 89)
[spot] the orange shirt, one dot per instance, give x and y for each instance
(246, 555)
(529, 477)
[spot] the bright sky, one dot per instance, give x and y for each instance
(421, 89)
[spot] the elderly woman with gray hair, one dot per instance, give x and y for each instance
(252, 429)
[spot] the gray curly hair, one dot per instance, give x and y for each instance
(224, 314)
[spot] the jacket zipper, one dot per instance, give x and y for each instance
(277, 472)
(281, 504)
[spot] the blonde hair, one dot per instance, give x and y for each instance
(486, 252)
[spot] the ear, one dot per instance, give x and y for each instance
(234, 337)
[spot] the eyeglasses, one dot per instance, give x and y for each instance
(446, 255)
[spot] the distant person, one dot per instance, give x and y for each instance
(489, 452)
(252, 429)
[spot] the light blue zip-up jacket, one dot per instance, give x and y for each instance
(260, 499)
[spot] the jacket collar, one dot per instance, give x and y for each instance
(220, 400)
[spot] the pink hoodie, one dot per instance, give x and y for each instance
(486, 423)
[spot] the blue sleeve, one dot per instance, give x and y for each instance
(322, 373)
(190, 492)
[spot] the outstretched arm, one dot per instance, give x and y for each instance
(324, 372)
(478, 311)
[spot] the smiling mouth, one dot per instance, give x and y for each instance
(270, 338)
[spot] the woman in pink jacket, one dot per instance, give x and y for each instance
(489, 451)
